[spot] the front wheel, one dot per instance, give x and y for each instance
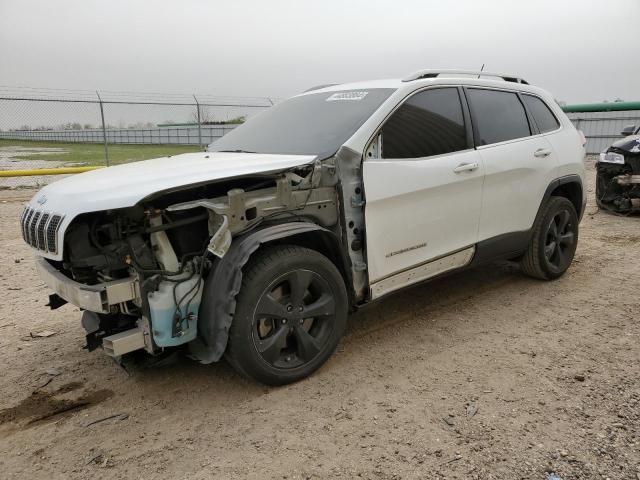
(553, 242)
(290, 314)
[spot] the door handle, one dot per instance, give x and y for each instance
(542, 152)
(466, 167)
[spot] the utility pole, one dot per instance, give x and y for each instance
(104, 130)
(199, 122)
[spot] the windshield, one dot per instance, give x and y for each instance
(316, 123)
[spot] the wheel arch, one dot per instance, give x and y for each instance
(570, 187)
(325, 242)
(225, 279)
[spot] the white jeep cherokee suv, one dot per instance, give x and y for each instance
(258, 248)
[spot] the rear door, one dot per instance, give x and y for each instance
(423, 193)
(519, 162)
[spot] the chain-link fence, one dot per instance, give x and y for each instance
(45, 131)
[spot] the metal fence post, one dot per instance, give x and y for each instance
(104, 130)
(199, 122)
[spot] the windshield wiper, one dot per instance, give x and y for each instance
(236, 151)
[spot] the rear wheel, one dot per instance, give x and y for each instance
(554, 241)
(291, 312)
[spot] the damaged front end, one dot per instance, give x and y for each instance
(139, 272)
(618, 177)
(137, 287)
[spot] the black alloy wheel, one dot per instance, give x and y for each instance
(553, 240)
(290, 314)
(293, 319)
(560, 241)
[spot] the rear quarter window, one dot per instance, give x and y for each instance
(498, 116)
(542, 115)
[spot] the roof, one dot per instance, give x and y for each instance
(363, 85)
(433, 77)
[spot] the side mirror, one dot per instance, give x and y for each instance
(628, 130)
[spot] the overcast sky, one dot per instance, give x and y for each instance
(580, 50)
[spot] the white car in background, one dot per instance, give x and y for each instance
(258, 249)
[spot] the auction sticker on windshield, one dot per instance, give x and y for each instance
(346, 96)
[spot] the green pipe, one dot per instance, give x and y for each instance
(601, 107)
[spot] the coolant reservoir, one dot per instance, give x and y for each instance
(163, 309)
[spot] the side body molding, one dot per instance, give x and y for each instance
(223, 284)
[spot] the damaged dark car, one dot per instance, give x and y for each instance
(618, 174)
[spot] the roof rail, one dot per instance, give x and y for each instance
(318, 87)
(436, 73)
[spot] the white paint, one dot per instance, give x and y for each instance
(514, 184)
(416, 201)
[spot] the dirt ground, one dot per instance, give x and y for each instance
(481, 375)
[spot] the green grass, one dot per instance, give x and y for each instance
(93, 153)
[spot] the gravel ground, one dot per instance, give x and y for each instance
(485, 374)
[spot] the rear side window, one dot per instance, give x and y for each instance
(429, 123)
(497, 116)
(542, 115)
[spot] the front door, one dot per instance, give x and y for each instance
(423, 190)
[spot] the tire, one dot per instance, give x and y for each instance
(271, 339)
(553, 242)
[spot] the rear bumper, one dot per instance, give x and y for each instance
(95, 298)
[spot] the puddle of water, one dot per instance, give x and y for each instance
(8, 161)
(18, 148)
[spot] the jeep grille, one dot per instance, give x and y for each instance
(40, 229)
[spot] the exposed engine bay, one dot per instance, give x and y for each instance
(618, 177)
(168, 244)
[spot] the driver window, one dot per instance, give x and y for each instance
(429, 123)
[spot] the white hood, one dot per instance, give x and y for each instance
(125, 185)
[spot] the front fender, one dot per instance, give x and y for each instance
(223, 285)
